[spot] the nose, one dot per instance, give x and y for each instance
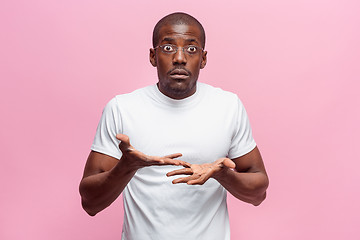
(179, 57)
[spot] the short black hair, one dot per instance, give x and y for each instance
(175, 19)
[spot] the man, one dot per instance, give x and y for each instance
(177, 127)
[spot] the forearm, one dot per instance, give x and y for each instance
(249, 187)
(98, 191)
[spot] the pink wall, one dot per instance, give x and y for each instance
(295, 65)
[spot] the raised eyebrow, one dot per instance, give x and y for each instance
(172, 40)
(168, 40)
(191, 41)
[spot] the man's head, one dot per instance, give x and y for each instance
(178, 18)
(178, 43)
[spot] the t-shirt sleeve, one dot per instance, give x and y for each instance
(242, 141)
(105, 140)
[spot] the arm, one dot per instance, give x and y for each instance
(247, 182)
(106, 177)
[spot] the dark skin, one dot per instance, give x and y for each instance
(106, 177)
(244, 177)
(183, 85)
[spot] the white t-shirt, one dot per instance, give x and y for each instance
(208, 125)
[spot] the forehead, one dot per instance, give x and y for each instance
(180, 32)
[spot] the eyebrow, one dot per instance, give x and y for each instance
(168, 40)
(191, 40)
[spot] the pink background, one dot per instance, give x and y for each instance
(295, 65)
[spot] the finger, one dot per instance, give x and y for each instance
(195, 182)
(184, 171)
(182, 180)
(186, 164)
(179, 163)
(170, 161)
(166, 161)
(154, 160)
(124, 141)
(229, 163)
(123, 138)
(174, 155)
(199, 181)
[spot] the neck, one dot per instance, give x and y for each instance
(176, 93)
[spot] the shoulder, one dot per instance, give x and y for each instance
(218, 95)
(134, 97)
(134, 94)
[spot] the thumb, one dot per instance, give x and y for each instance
(124, 141)
(229, 163)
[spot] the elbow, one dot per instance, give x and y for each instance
(259, 199)
(86, 203)
(88, 209)
(91, 214)
(260, 195)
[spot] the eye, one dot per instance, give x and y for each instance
(191, 49)
(168, 48)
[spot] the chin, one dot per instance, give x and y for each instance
(182, 94)
(178, 89)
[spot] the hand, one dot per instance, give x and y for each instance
(138, 159)
(200, 173)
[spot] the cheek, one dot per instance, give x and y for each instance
(163, 65)
(196, 63)
(195, 67)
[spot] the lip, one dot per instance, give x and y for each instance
(179, 72)
(179, 76)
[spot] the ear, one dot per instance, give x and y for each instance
(152, 57)
(203, 60)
